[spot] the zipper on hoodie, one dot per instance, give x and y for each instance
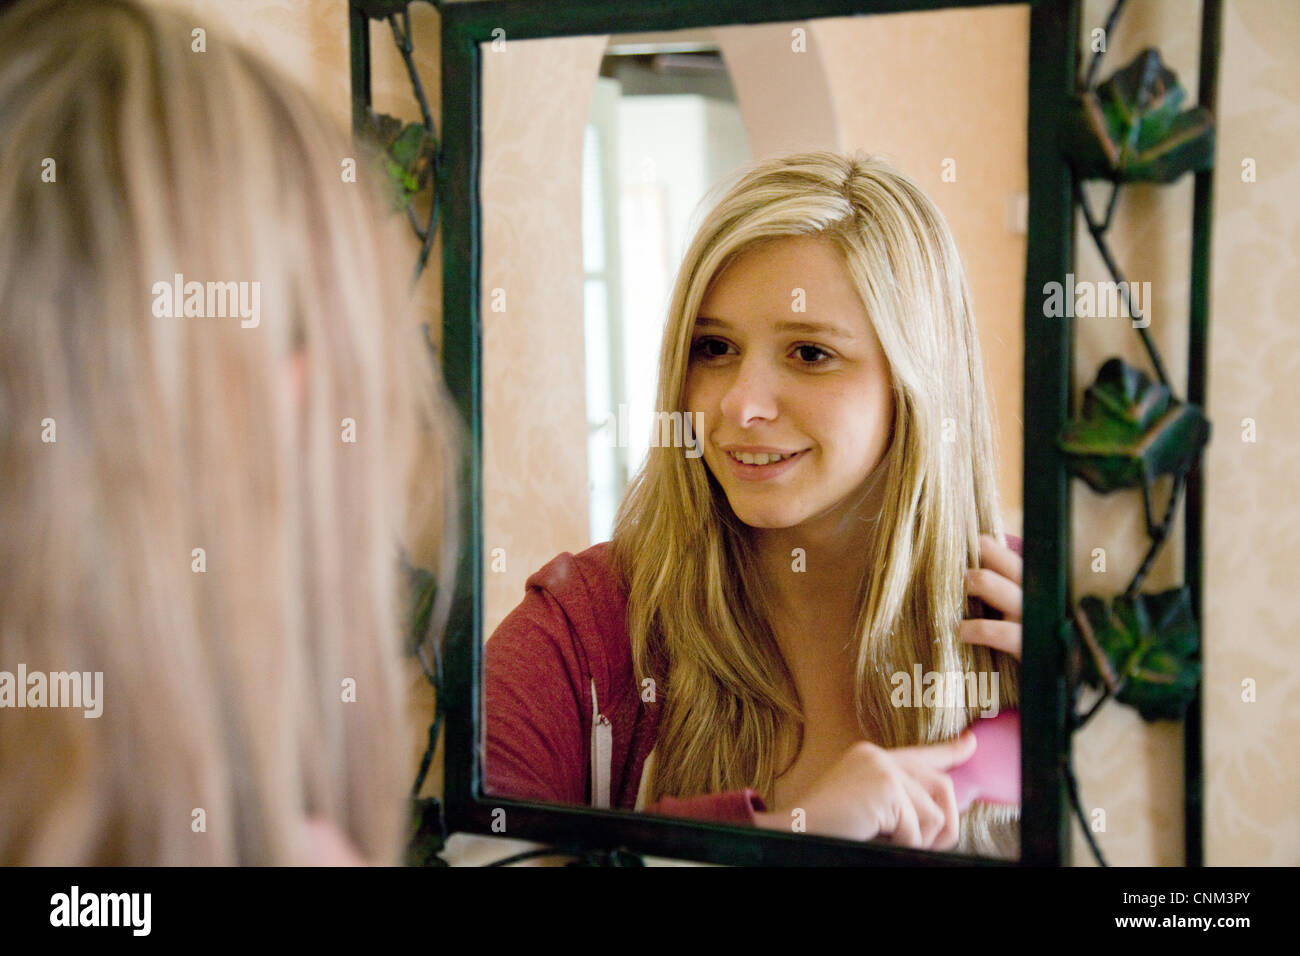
(602, 754)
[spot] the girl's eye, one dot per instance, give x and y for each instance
(709, 348)
(812, 354)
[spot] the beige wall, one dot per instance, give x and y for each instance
(1131, 770)
(1252, 810)
(781, 85)
(535, 97)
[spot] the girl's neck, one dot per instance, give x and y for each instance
(815, 572)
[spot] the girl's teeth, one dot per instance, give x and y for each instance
(761, 459)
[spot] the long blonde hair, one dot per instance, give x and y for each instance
(697, 612)
(129, 159)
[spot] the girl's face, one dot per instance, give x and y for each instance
(785, 362)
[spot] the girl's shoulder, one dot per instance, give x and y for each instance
(577, 602)
(587, 574)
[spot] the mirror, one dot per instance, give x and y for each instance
(598, 154)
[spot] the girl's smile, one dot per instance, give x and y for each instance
(760, 464)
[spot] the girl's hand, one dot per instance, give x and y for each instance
(998, 583)
(900, 794)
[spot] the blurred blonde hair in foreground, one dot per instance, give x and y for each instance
(222, 690)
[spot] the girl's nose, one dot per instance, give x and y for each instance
(751, 394)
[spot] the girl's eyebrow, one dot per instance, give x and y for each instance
(806, 328)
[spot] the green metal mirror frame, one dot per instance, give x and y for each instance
(1045, 833)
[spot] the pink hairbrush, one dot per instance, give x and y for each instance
(992, 775)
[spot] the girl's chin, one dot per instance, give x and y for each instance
(767, 520)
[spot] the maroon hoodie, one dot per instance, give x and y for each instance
(565, 719)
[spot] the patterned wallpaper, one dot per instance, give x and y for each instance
(1133, 770)
(1252, 805)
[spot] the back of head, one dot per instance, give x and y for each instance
(223, 551)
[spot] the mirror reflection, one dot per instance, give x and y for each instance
(752, 325)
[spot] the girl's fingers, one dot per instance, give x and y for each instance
(1000, 635)
(943, 793)
(996, 590)
(929, 815)
(907, 830)
(996, 556)
(940, 756)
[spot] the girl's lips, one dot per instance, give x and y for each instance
(762, 472)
